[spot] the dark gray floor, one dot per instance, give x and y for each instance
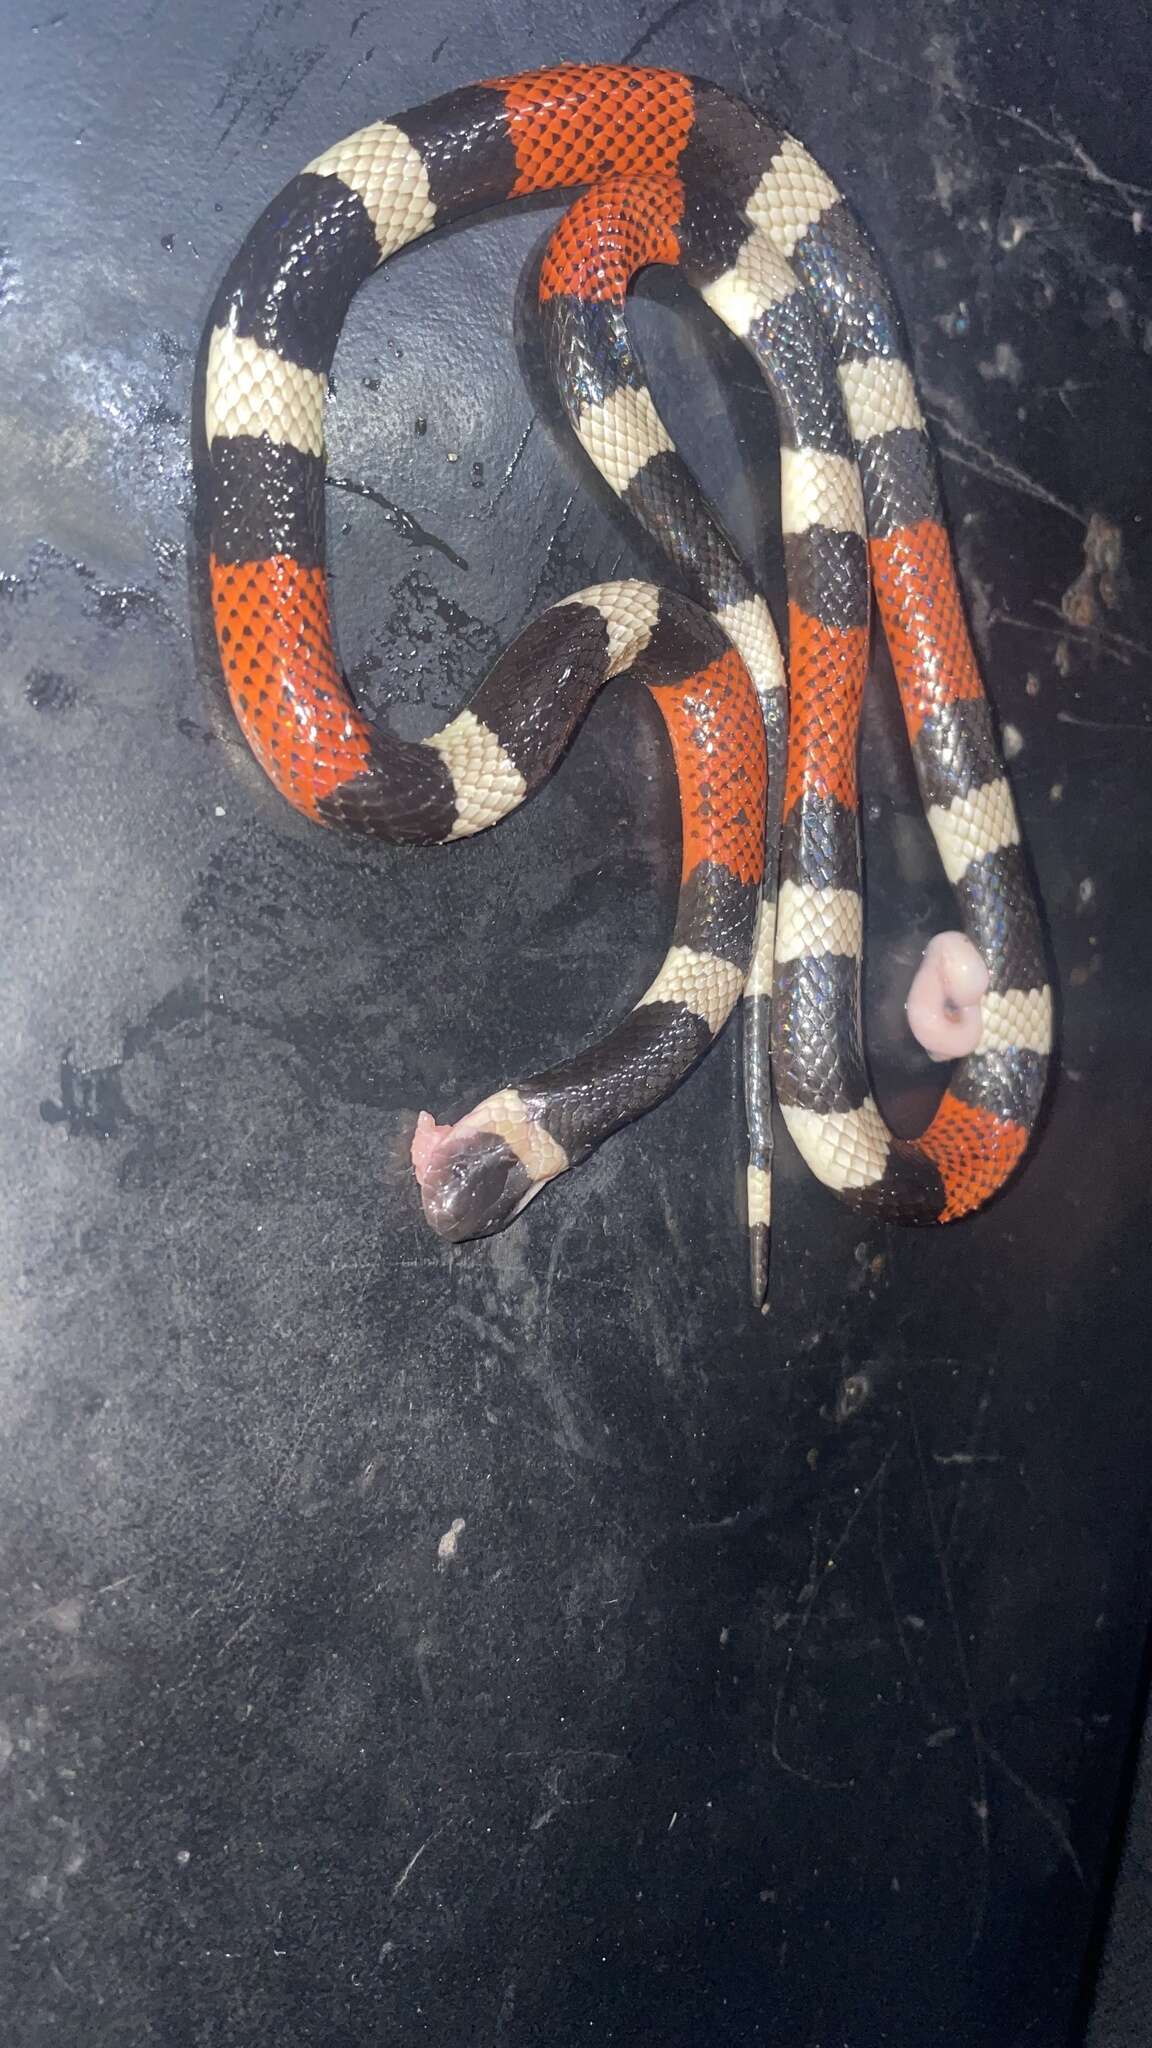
(779, 1683)
(1122, 2007)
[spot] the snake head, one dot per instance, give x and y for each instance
(471, 1180)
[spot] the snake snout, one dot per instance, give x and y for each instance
(474, 1186)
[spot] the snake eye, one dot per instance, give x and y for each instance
(474, 1187)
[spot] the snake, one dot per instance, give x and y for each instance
(672, 170)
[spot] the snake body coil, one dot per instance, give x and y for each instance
(677, 172)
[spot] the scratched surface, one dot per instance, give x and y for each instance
(521, 1644)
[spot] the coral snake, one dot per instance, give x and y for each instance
(674, 171)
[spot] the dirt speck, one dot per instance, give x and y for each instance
(1100, 581)
(1003, 363)
(48, 691)
(854, 1394)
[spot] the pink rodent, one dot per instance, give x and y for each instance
(945, 1003)
(426, 1143)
